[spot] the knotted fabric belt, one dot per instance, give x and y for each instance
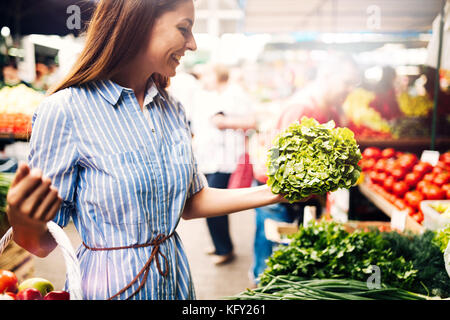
(156, 242)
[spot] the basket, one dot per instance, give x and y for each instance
(73, 273)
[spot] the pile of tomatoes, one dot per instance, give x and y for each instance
(404, 180)
(15, 123)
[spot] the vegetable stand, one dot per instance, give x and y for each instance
(389, 209)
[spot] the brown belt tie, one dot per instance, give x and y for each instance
(160, 238)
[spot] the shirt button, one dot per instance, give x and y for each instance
(153, 130)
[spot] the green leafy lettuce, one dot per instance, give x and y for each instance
(312, 158)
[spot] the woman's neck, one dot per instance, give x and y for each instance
(133, 78)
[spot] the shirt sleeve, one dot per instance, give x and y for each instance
(53, 150)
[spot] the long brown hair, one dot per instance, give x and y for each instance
(115, 35)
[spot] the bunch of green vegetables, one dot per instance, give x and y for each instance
(5, 182)
(427, 257)
(325, 250)
(442, 238)
(297, 288)
(312, 158)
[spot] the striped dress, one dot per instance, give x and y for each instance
(124, 176)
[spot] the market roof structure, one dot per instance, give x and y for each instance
(285, 16)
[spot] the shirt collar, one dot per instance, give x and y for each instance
(111, 91)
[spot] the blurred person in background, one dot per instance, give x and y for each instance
(185, 87)
(41, 80)
(223, 116)
(322, 100)
(385, 101)
(11, 75)
(443, 105)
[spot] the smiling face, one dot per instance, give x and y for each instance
(170, 37)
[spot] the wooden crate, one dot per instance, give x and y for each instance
(17, 260)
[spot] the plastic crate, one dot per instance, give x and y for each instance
(433, 220)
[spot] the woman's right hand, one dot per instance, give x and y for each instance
(32, 200)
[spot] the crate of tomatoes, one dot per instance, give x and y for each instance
(404, 180)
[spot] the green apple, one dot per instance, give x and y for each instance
(41, 284)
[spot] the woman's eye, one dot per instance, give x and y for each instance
(184, 31)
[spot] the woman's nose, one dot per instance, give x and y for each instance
(191, 44)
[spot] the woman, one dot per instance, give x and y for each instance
(112, 151)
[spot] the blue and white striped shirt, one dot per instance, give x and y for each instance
(123, 181)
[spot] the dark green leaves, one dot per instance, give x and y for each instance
(326, 250)
(311, 158)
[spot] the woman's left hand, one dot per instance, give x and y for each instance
(282, 199)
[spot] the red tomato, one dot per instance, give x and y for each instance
(407, 161)
(446, 189)
(429, 177)
(437, 170)
(381, 177)
(8, 281)
(423, 168)
(412, 179)
(418, 217)
(400, 188)
(441, 179)
(388, 183)
(400, 204)
(373, 175)
(380, 166)
(445, 157)
(368, 164)
(413, 198)
(398, 173)
(433, 192)
(388, 153)
(421, 185)
(409, 210)
(372, 152)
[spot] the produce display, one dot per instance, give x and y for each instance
(30, 289)
(414, 106)
(17, 105)
(366, 121)
(325, 250)
(296, 288)
(312, 158)
(404, 180)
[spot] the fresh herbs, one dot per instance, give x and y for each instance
(426, 257)
(311, 158)
(326, 250)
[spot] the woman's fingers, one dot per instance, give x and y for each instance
(53, 210)
(22, 171)
(37, 196)
(17, 194)
(49, 206)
